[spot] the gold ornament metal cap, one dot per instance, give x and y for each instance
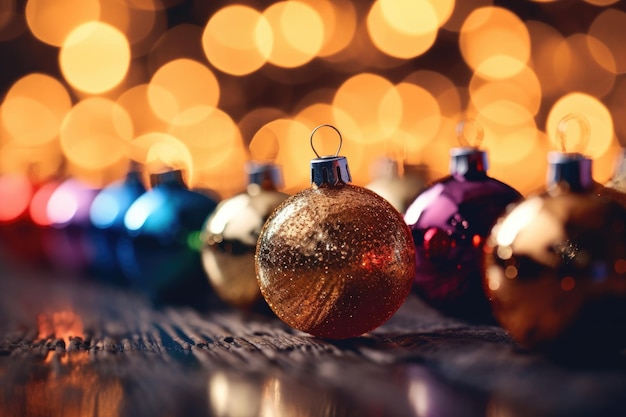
(570, 167)
(329, 170)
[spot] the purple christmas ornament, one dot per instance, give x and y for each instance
(450, 221)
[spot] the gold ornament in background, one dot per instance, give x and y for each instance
(230, 236)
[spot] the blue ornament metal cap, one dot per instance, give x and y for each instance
(572, 169)
(173, 177)
(329, 170)
(468, 162)
(262, 174)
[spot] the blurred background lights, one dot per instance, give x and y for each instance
(298, 33)
(494, 42)
(95, 133)
(90, 85)
(95, 57)
(237, 49)
(180, 85)
(403, 29)
(34, 108)
(51, 21)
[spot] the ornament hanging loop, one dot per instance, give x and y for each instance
(584, 132)
(470, 133)
(332, 127)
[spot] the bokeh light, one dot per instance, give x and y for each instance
(34, 108)
(608, 27)
(237, 49)
(95, 133)
(181, 85)
(373, 103)
(15, 194)
(95, 57)
(51, 21)
(403, 29)
(578, 70)
(298, 33)
(494, 42)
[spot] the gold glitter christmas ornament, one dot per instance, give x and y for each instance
(335, 260)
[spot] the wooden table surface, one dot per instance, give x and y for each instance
(76, 348)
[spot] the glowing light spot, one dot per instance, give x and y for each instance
(62, 206)
(421, 116)
(578, 70)
(493, 278)
(461, 10)
(510, 272)
(237, 40)
(494, 42)
(160, 150)
(51, 21)
(39, 204)
(34, 108)
(522, 89)
(401, 32)
(95, 133)
(504, 252)
(568, 283)
(104, 211)
(95, 57)
(142, 208)
(607, 27)
(476, 240)
(373, 103)
(15, 194)
(620, 266)
(298, 33)
(340, 21)
(180, 85)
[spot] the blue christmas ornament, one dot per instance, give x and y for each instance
(107, 218)
(160, 250)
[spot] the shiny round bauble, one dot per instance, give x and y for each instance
(20, 237)
(67, 242)
(450, 221)
(107, 218)
(399, 188)
(335, 261)
(229, 239)
(159, 251)
(555, 272)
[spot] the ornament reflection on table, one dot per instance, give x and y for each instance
(159, 251)
(450, 221)
(231, 232)
(555, 266)
(107, 216)
(335, 260)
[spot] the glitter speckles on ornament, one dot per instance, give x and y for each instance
(335, 260)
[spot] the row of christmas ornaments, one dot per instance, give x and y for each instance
(338, 260)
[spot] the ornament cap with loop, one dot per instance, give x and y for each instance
(268, 175)
(168, 178)
(572, 169)
(468, 161)
(329, 170)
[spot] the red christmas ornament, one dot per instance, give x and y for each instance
(334, 260)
